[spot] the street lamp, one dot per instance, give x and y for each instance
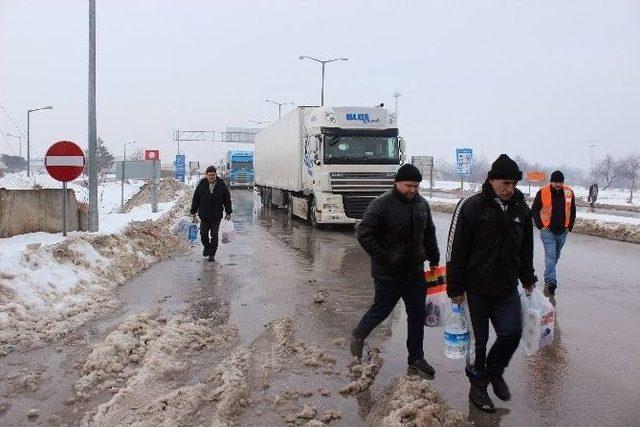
(19, 137)
(124, 161)
(48, 107)
(323, 62)
(279, 104)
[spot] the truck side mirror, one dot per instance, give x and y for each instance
(403, 146)
(403, 158)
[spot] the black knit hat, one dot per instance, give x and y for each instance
(211, 169)
(557, 176)
(505, 168)
(408, 172)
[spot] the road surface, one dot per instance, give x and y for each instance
(262, 286)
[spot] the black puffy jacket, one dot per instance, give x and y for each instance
(489, 249)
(209, 206)
(399, 235)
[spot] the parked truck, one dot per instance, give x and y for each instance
(237, 169)
(326, 164)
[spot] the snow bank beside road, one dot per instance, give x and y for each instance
(48, 290)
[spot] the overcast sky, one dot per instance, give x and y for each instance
(537, 78)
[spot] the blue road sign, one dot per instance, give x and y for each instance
(179, 167)
(464, 158)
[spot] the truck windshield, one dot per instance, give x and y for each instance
(361, 150)
(241, 165)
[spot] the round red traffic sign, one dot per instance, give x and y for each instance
(64, 161)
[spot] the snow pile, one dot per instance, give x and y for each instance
(363, 374)
(413, 401)
(47, 291)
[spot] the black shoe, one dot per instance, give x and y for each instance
(552, 288)
(500, 387)
(212, 258)
(480, 398)
(357, 344)
(422, 369)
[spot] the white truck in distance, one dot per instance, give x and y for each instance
(326, 164)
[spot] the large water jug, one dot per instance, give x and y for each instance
(456, 334)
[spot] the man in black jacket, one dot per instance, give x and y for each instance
(211, 197)
(397, 232)
(554, 213)
(490, 247)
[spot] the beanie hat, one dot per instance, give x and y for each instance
(505, 168)
(211, 169)
(408, 172)
(557, 176)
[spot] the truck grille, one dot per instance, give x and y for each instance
(366, 182)
(356, 204)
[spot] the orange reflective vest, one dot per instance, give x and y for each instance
(547, 205)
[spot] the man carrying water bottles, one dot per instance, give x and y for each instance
(490, 247)
(397, 232)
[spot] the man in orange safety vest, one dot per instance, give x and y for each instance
(554, 213)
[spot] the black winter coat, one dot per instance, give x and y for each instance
(488, 248)
(399, 235)
(209, 206)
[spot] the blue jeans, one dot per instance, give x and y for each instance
(387, 295)
(553, 244)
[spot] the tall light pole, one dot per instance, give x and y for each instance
(323, 62)
(19, 137)
(592, 146)
(94, 217)
(124, 162)
(279, 104)
(48, 107)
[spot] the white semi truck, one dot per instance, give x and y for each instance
(326, 164)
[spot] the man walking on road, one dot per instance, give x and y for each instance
(554, 212)
(211, 197)
(490, 247)
(398, 233)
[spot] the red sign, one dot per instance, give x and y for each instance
(64, 161)
(152, 154)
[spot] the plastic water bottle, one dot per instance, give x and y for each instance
(193, 233)
(456, 334)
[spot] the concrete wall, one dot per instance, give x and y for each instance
(28, 211)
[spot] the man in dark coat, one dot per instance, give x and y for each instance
(490, 248)
(397, 232)
(210, 199)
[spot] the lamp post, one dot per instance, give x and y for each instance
(323, 62)
(279, 104)
(48, 107)
(124, 162)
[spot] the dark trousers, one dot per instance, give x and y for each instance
(387, 294)
(210, 243)
(505, 314)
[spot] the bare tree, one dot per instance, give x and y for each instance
(136, 155)
(630, 171)
(607, 170)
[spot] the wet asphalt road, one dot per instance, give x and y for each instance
(589, 376)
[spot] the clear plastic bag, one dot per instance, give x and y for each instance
(538, 318)
(227, 231)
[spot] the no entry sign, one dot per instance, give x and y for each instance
(64, 161)
(151, 154)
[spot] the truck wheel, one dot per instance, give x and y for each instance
(290, 207)
(313, 220)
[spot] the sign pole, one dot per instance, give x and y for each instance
(154, 190)
(64, 208)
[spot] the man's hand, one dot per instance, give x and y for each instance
(458, 300)
(228, 217)
(529, 289)
(194, 218)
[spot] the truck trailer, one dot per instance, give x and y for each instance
(326, 164)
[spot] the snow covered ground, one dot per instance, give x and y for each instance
(71, 278)
(610, 196)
